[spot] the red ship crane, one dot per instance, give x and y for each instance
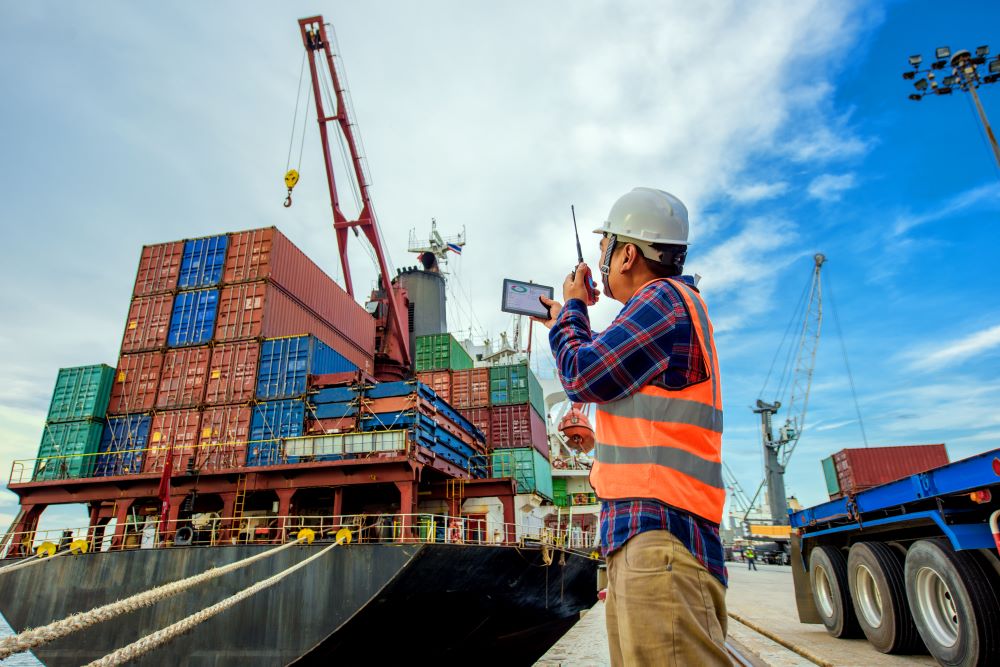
(392, 339)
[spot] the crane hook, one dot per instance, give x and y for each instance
(291, 178)
(288, 200)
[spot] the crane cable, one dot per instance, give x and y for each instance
(29, 639)
(847, 364)
(292, 175)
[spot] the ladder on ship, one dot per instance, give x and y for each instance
(241, 496)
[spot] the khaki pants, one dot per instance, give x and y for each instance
(663, 607)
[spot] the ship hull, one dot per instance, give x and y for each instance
(358, 604)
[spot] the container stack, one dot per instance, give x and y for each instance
(851, 471)
(200, 359)
(74, 423)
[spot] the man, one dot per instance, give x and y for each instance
(751, 557)
(654, 377)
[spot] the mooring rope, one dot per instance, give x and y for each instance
(160, 637)
(31, 638)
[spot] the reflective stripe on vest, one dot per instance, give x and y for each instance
(667, 444)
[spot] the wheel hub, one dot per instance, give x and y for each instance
(938, 603)
(867, 596)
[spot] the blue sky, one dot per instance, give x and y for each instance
(784, 126)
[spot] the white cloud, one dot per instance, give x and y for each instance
(946, 353)
(987, 196)
(755, 192)
(831, 187)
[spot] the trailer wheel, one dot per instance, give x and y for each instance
(954, 605)
(878, 590)
(831, 593)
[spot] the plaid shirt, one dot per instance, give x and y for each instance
(650, 340)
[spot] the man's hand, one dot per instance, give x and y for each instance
(575, 285)
(554, 308)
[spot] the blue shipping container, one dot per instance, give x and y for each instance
(193, 319)
(287, 363)
(203, 262)
(272, 421)
(122, 437)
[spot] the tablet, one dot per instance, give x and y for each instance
(521, 298)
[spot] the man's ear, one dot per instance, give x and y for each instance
(629, 254)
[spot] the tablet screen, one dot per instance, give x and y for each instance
(522, 298)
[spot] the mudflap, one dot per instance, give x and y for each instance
(803, 589)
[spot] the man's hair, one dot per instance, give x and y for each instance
(672, 264)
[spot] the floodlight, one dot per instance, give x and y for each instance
(950, 80)
(921, 84)
(939, 64)
(909, 75)
(916, 60)
(916, 98)
(982, 50)
(944, 91)
(942, 52)
(995, 66)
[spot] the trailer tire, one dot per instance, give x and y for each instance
(954, 605)
(831, 593)
(878, 591)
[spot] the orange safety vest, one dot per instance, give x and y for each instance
(666, 444)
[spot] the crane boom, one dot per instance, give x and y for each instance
(317, 45)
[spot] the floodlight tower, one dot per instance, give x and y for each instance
(965, 76)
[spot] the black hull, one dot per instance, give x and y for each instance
(359, 604)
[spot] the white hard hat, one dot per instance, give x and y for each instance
(649, 215)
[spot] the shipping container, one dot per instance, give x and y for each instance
(439, 381)
(517, 426)
(203, 262)
(173, 434)
(286, 364)
(225, 430)
(183, 378)
(347, 424)
(860, 469)
(148, 323)
(264, 310)
(66, 449)
(123, 446)
(266, 254)
(137, 380)
(81, 392)
(516, 384)
(528, 467)
(559, 496)
(271, 422)
(232, 373)
(480, 418)
(470, 388)
(830, 475)
(193, 319)
(159, 268)
(440, 352)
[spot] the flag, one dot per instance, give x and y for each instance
(455, 248)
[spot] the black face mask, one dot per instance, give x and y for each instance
(605, 267)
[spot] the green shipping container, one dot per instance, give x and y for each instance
(81, 393)
(65, 449)
(531, 471)
(830, 473)
(438, 352)
(516, 384)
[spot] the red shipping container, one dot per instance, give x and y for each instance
(159, 266)
(232, 373)
(336, 425)
(470, 388)
(182, 380)
(480, 418)
(860, 469)
(514, 426)
(266, 254)
(147, 324)
(439, 381)
(222, 442)
(173, 433)
(264, 310)
(137, 380)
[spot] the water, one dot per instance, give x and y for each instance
(21, 659)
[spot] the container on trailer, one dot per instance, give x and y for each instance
(267, 254)
(440, 352)
(67, 448)
(159, 268)
(183, 378)
(222, 441)
(515, 384)
(136, 382)
(830, 475)
(81, 392)
(439, 381)
(202, 262)
(517, 426)
(860, 469)
(264, 310)
(530, 470)
(123, 446)
(470, 388)
(148, 323)
(232, 373)
(271, 422)
(173, 434)
(193, 319)
(286, 364)
(480, 418)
